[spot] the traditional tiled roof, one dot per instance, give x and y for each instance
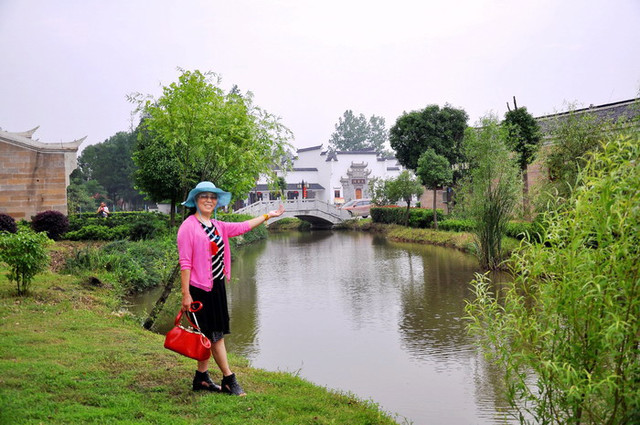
(625, 109)
(309, 149)
(24, 140)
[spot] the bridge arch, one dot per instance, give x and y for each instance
(320, 214)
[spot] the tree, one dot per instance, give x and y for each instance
(110, 163)
(83, 195)
(378, 190)
(355, 133)
(491, 187)
(435, 172)
(439, 129)
(204, 134)
(523, 138)
(566, 330)
(404, 187)
(158, 170)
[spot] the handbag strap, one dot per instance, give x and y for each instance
(192, 309)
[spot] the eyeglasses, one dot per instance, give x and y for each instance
(211, 196)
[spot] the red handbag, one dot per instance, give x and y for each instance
(188, 342)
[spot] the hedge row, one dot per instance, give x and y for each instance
(77, 221)
(140, 225)
(122, 225)
(421, 218)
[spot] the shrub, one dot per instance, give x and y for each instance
(54, 223)
(91, 232)
(144, 229)
(418, 217)
(26, 255)
(135, 225)
(7, 224)
(136, 266)
(457, 225)
(388, 215)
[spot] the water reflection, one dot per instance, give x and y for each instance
(354, 312)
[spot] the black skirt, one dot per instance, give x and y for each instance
(214, 316)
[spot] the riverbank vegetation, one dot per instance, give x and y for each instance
(69, 355)
(566, 330)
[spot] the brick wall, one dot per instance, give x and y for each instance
(32, 181)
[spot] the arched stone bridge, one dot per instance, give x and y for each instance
(319, 213)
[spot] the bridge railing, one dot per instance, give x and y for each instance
(294, 206)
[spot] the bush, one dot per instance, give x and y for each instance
(457, 225)
(144, 229)
(420, 218)
(54, 223)
(7, 224)
(137, 266)
(91, 233)
(518, 229)
(26, 255)
(137, 225)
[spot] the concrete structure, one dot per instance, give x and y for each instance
(33, 175)
(331, 177)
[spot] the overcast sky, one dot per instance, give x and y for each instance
(69, 65)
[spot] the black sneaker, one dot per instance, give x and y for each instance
(202, 381)
(230, 385)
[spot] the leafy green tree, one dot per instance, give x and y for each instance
(25, 252)
(404, 187)
(566, 330)
(110, 163)
(206, 134)
(356, 133)
(158, 170)
(524, 138)
(492, 188)
(439, 129)
(82, 195)
(378, 191)
(435, 172)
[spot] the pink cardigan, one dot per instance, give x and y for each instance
(194, 251)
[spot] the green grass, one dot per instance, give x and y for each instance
(67, 358)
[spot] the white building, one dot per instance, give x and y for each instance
(332, 177)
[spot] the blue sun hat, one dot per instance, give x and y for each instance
(223, 197)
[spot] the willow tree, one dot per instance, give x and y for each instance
(195, 131)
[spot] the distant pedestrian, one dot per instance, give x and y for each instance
(205, 262)
(103, 210)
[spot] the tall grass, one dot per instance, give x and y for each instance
(491, 190)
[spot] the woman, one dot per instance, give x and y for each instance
(205, 261)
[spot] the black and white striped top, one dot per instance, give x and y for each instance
(217, 256)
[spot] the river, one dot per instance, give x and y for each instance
(356, 313)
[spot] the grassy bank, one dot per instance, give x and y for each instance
(69, 356)
(463, 241)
